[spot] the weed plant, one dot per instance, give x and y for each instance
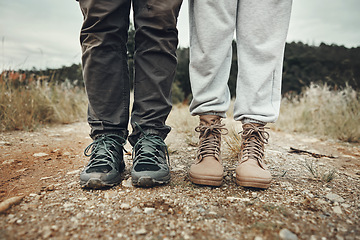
(315, 171)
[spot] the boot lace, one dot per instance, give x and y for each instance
(210, 140)
(252, 147)
(147, 152)
(102, 150)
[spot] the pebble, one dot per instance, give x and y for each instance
(232, 199)
(141, 231)
(50, 187)
(334, 197)
(136, 210)
(68, 205)
(46, 232)
(344, 205)
(44, 178)
(5, 143)
(125, 206)
(337, 210)
(110, 194)
(9, 161)
(212, 213)
(149, 210)
(127, 183)
(73, 172)
(40, 154)
(286, 234)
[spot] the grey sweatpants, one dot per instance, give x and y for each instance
(261, 28)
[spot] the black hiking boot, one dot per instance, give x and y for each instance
(106, 162)
(150, 161)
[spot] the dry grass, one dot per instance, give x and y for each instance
(26, 107)
(320, 111)
(319, 174)
(233, 141)
(182, 121)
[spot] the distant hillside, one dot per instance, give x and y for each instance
(334, 65)
(331, 64)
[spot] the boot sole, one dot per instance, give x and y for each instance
(254, 183)
(208, 182)
(95, 183)
(146, 181)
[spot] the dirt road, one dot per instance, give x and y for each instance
(44, 166)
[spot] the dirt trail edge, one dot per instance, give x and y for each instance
(44, 166)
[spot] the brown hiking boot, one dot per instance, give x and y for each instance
(208, 169)
(252, 171)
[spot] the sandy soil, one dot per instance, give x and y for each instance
(44, 166)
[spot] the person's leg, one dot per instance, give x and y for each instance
(103, 41)
(104, 58)
(261, 33)
(156, 40)
(212, 26)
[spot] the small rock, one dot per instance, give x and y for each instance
(125, 206)
(9, 161)
(258, 238)
(232, 199)
(136, 210)
(73, 172)
(68, 205)
(45, 178)
(286, 234)
(141, 231)
(337, 210)
(40, 154)
(334, 197)
(148, 210)
(50, 188)
(127, 183)
(212, 213)
(110, 194)
(5, 143)
(46, 232)
(344, 205)
(339, 237)
(313, 237)
(321, 202)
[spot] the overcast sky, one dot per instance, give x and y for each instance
(45, 33)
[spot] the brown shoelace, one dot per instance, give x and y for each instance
(210, 140)
(252, 147)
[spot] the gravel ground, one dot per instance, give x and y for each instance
(44, 166)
